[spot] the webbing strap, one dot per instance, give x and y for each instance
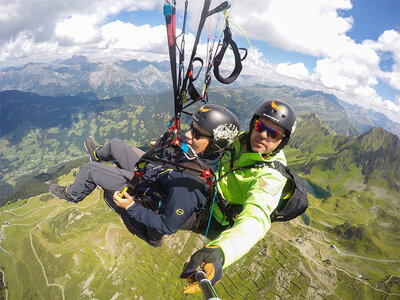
(218, 59)
(212, 208)
(169, 13)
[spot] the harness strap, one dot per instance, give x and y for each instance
(218, 58)
(232, 211)
(169, 13)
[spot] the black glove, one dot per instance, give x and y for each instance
(210, 259)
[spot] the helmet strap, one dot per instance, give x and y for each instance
(249, 134)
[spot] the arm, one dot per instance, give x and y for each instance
(185, 195)
(254, 221)
(140, 213)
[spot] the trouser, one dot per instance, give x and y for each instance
(111, 179)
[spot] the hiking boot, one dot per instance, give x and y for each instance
(91, 147)
(59, 192)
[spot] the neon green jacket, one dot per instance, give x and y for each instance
(258, 190)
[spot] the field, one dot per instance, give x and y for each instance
(52, 249)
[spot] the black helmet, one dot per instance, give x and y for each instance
(280, 113)
(221, 122)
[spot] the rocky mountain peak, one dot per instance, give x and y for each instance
(377, 138)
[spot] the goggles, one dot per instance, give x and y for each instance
(197, 134)
(273, 133)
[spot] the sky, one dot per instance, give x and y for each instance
(349, 48)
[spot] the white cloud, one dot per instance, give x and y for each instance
(389, 42)
(297, 70)
(32, 30)
(119, 35)
(79, 29)
(311, 27)
(348, 69)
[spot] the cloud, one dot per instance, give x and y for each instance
(311, 27)
(297, 70)
(389, 42)
(317, 28)
(30, 27)
(121, 35)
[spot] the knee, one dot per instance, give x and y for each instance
(115, 141)
(90, 165)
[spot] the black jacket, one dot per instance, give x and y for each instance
(177, 194)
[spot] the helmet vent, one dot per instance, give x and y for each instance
(283, 116)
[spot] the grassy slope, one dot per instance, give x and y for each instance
(57, 250)
(87, 253)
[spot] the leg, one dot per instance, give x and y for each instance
(124, 155)
(149, 235)
(94, 174)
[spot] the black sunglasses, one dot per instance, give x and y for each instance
(197, 134)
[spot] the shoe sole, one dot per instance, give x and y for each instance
(55, 196)
(87, 150)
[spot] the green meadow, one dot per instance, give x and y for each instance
(52, 249)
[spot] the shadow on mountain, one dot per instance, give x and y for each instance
(21, 111)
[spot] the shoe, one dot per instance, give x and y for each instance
(59, 192)
(91, 147)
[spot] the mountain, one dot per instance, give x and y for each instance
(365, 119)
(53, 249)
(107, 79)
(38, 132)
(79, 75)
(372, 157)
(41, 131)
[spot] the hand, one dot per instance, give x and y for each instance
(123, 202)
(209, 259)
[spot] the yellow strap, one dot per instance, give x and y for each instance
(226, 14)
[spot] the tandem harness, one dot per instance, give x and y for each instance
(293, 200)
(194, 166)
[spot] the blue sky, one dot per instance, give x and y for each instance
(348, 48)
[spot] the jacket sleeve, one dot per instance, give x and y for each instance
(254, 221)
(185, 196)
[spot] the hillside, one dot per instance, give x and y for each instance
(51, 249)
(372, 157)
(40, 131)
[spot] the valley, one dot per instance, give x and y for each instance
(51, 249)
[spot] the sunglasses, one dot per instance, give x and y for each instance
(197, 134)
(273, 133)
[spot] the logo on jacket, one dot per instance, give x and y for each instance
(273, 104)
(179, 211)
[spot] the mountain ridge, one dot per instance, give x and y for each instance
(109, 79)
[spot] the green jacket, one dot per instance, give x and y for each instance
(258, 190)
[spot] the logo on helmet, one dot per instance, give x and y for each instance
(225, 131)
(273, 104)
(202, 109)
